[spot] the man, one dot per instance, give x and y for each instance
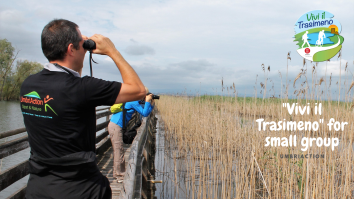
(58, 108)
(321, 36)
(304, 38)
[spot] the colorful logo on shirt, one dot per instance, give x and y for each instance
(33, 94)
(34, 99)
(317, 35)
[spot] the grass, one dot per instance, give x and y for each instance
(222, 153)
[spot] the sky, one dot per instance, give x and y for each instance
(188, 46)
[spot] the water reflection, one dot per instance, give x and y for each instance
(168, 169)
(172, 169)
(10, 116)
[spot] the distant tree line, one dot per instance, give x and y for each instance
(12, 74)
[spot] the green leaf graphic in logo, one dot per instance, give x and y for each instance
(45, 107)
(323, 55)
(33, 94)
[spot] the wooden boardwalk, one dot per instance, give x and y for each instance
(105, 163)
(139, 156)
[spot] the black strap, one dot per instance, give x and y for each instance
(91, 63)
(124, 118)
(64, 69)
(91, 60)
(124, 112)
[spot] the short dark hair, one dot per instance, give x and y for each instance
(56, 37)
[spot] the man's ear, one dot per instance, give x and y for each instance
(70, 51)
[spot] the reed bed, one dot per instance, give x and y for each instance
(217, 150)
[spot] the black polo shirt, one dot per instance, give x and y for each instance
(59, 114)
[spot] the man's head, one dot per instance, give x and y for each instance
(56, 37)
(62, 40)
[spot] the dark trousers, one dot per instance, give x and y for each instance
(70, 182)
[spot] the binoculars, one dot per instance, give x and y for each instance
(154, 96)
(89, 45)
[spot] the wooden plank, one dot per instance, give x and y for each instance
(105, 163)
(102, 126)
(100, 115)
(143, 195)
(12, 132)
(101, 109)
(107, 118)
(13, 174)
(101, 136)
(20, 194)
(100, 149)
(13, 146)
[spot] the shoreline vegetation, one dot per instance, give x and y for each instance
(224, 153)
(217, 150)
(12, 75)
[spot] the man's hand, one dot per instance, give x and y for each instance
(84, 37)
(104, 45)
(132, 88)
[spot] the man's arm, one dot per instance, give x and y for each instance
(143, 111)
(147, 108)
(132, 88)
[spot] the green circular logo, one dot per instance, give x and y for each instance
(318, 36)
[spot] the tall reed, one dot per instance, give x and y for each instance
(220, 151)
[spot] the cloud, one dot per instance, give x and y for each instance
(335, 68)
(139, 50)
(12, 17)
(192, 65)
(179, 43)
(191, 74)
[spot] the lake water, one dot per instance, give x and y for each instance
(166, 169)
(313, 37)
(171, 168)
(11, 118)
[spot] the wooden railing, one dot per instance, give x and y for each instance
(139, 177)
(21, 170)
